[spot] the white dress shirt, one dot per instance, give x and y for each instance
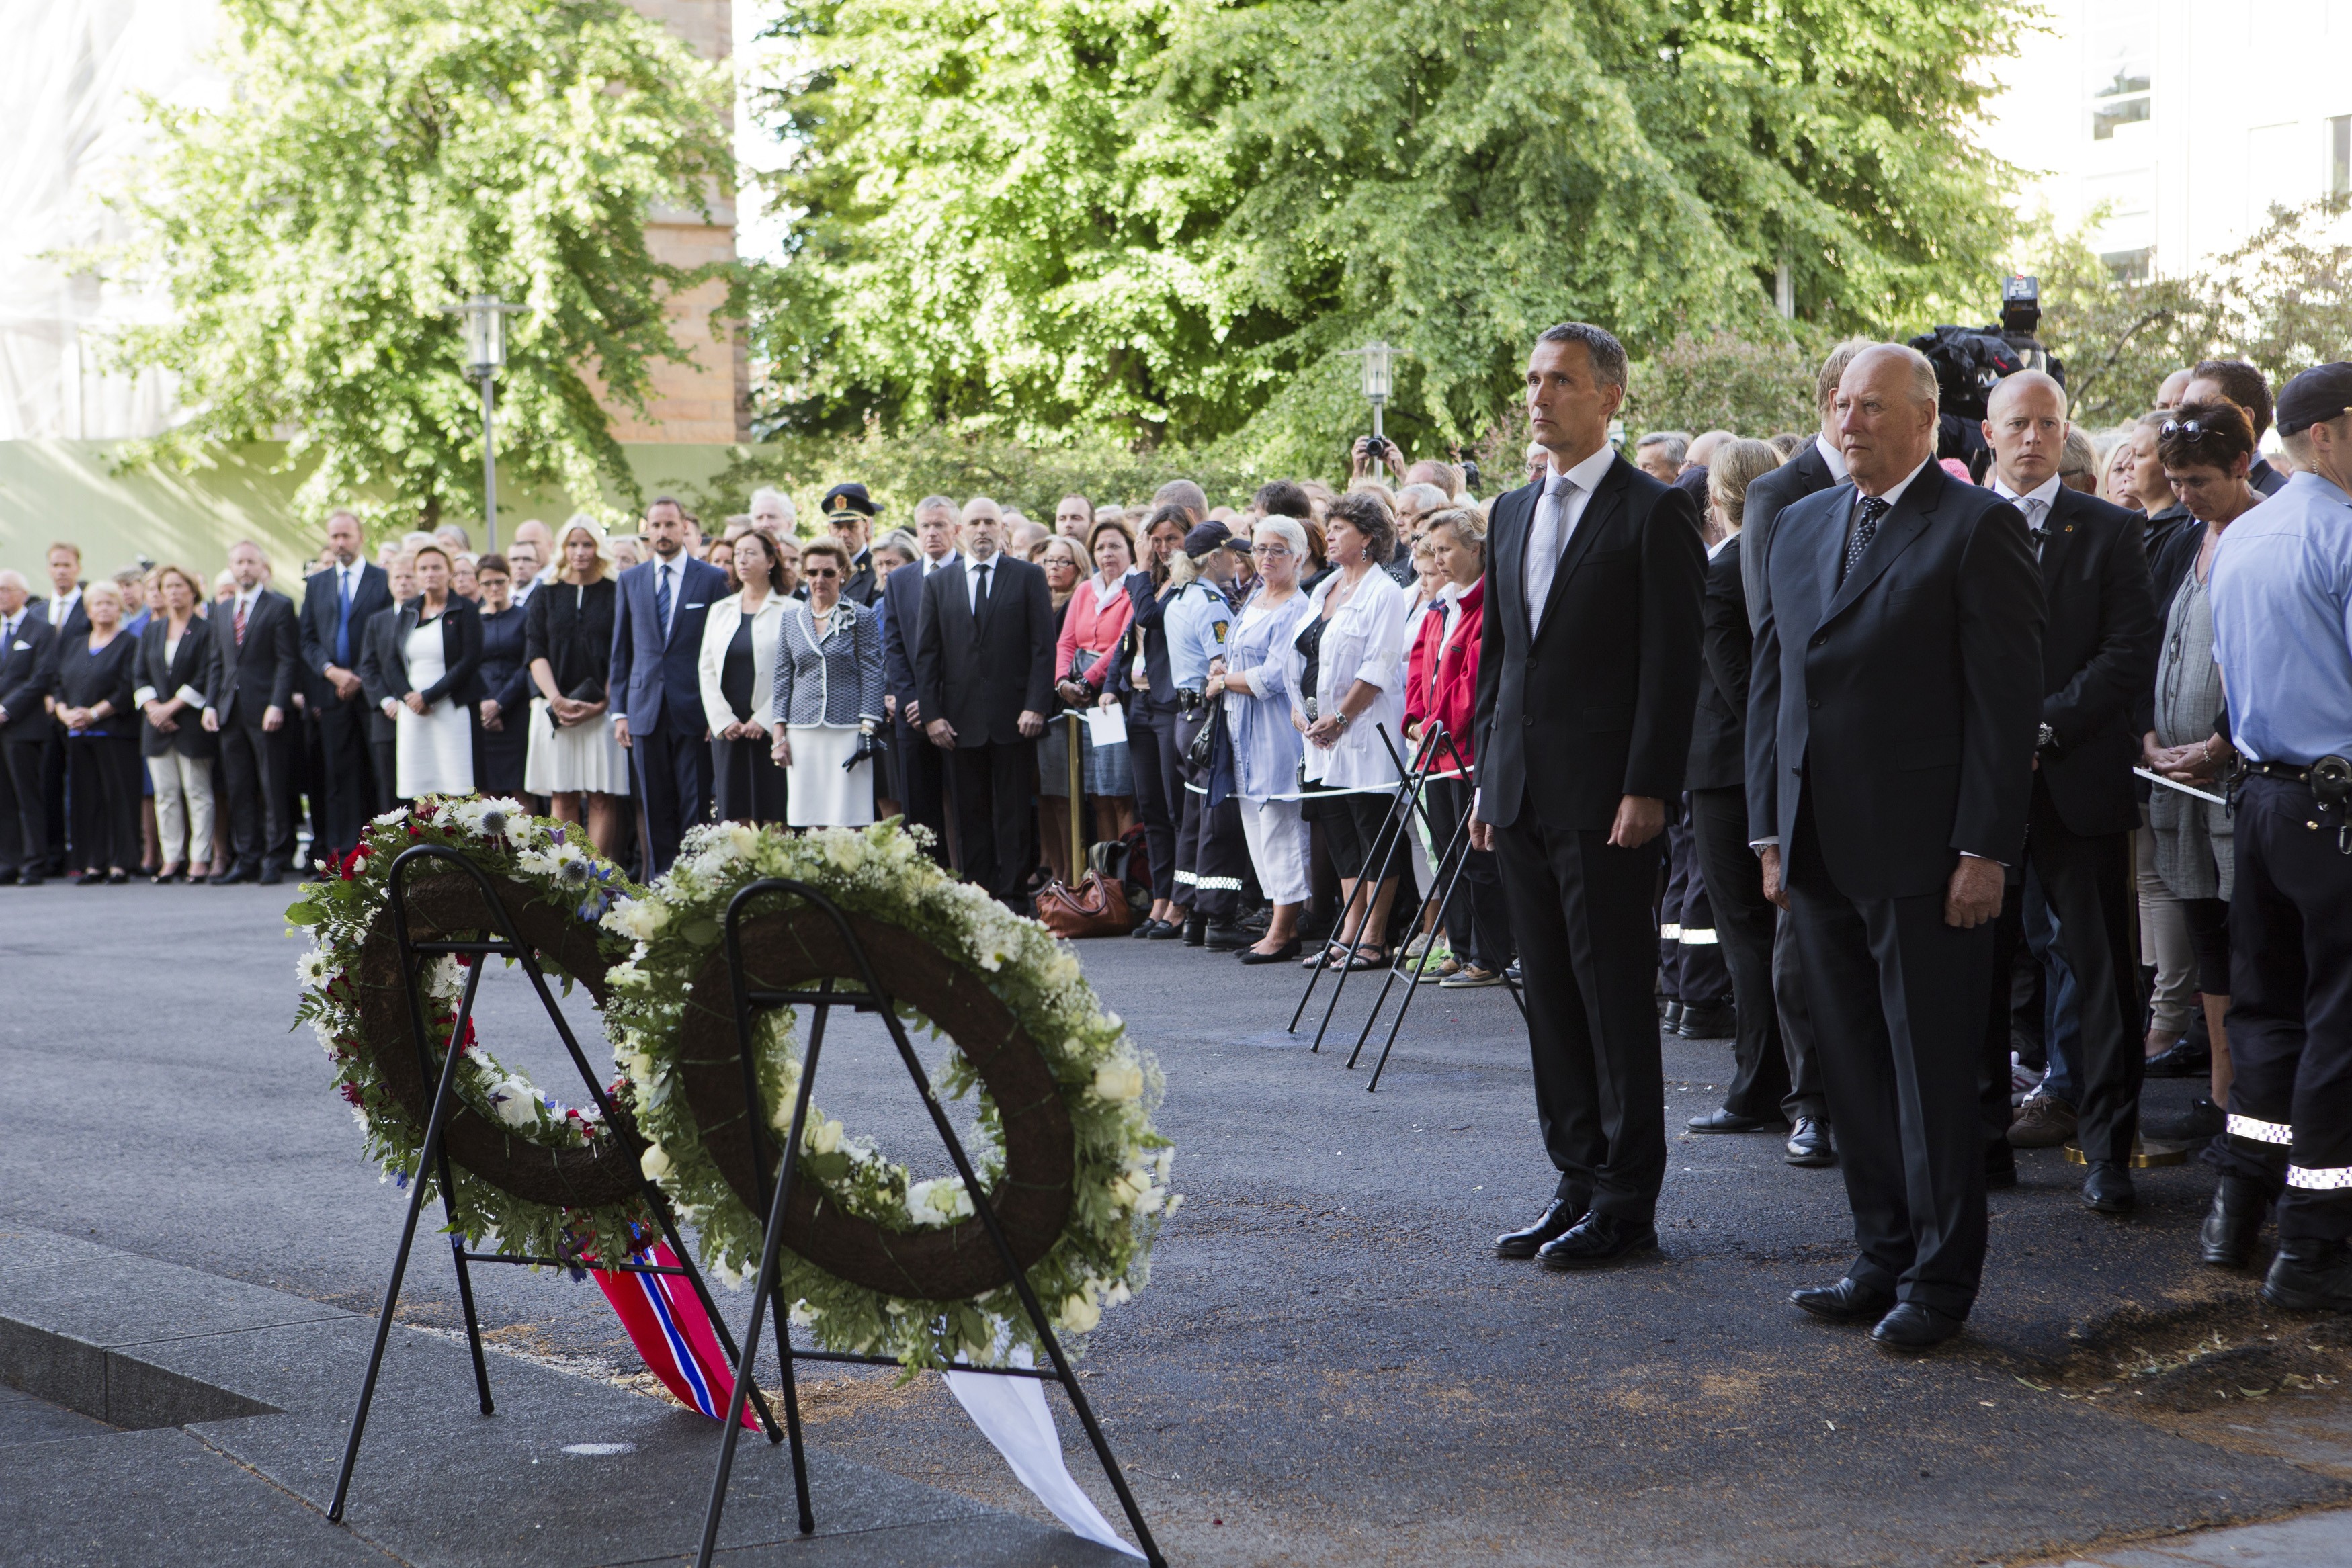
(2035, 504)
(971, 570)
(1557, 512)
(60, 606)
(1832, 456)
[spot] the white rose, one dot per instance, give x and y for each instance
(639, 919)
(1079, 1314)
(824, 1138)
(655, 1162)
(1118, 1079)
(517, 1105)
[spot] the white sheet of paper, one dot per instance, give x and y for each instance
(1107, 725)
(2176, 784)
(1010, 1413)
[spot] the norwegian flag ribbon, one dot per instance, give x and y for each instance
(672, 1333)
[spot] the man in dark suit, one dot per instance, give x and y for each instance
(62, 609)
(260, 654)
(984, 675)
(1892, 710)
(1588, 676)
(656, 694)
(1816, 467)
(29, 671)
(336, 604)
(849, 514)
(916, 762)
(2098, 663)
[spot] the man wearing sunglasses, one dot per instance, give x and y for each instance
(2281, 595)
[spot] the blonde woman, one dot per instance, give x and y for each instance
(175, 670)
(574, 759)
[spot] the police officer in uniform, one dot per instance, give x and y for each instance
(2281, 592)
(1211, 856)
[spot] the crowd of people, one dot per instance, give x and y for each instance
(1813, 741)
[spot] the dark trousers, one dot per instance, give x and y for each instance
(1900, 997)
(2086, 883)
(1477, 925)
(1588, 949)
(1690, 961)
(747, 785)
(1211, 855)
(102, 778)
(1793, 1012)
(1153, 755)
(670, 766)
(346, 769)
(24, 806)
(384, 761)
(258, 793)
(2291, 1011)
(994, 797)
(916, 764)
(1743, 924)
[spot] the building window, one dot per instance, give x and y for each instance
(2118, 72)
(2106, 115)
(2339, 156)
(2130, 266)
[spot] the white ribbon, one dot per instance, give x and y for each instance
(1010, 1413)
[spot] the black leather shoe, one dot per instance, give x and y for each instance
(1558, 1215)
(1148, 930)
(1671, 1015)
(237, 872)
(29, 879)
(1717, 1022)
(1726, 1121)
(2186, 1057)
(2226, 1239)
(1196, 930)
(1845, 1302)
(2201, 1120)
(1228, 936)
(2001, 1169)
(1281, 954)
(1597, 1240)
(2311, 1277)
(270, 876)
(1809, 1143)
(2108, 1188)
(1911, 1326)
(1168, 930)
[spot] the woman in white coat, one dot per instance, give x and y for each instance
(738, 669)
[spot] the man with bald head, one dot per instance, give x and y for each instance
(1896, 690)
(2098, 661)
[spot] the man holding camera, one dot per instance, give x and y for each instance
(2281, 593)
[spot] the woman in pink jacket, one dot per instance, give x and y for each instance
(1091, 633)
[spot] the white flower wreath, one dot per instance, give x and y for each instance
(1119, 1194)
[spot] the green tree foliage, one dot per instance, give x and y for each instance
(1724, 382)
(1168, 219)
(376, 159)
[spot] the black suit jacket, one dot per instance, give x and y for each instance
(381, 669)
(260, 672)
(197, 663)
(981, 677)
(2098, 660)
(1806, 474)
(461, 652)
(859, 589)
(27, 674)
(1719, 758)
(902, 630)
(76, 619)
(1595, 702)
(322, 608)
(1908, 697)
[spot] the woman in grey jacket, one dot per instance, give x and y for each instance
(828, 698)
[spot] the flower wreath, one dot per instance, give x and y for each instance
(530, 1175)
(875, 1262)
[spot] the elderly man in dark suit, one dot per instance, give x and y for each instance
(259, 650)
(656, 687)
(2098, 663)
(1891, 711)
(1588, 679)
(28, 674)
(984, 675)
(337, 603)
(915, 762)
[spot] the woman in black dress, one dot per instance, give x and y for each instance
(175, 673)
(96, 676)
(568, 642)
(503, 736)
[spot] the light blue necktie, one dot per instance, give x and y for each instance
(661, 599)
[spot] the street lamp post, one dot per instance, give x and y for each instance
(1377, 381)
(485, 316)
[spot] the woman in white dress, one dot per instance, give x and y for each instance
(738, 674)
(439, 639)
(828, 698)
(568, 648)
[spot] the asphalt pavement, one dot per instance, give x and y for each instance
(1330, 1364)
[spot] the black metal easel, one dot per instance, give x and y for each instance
(502, 939)
(873, 999)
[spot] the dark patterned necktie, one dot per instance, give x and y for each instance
(1873, 507)
(661, 599)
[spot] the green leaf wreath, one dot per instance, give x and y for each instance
(555, 861)
(1107, 1087)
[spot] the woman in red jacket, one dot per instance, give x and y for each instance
(1442, 689)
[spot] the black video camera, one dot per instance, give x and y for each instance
(2020, 304)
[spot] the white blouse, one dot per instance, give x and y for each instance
(1366, 639)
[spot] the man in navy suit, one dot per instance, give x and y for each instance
(29, 671)
(655, 692)
(917, 761)
(336, 605)
(259, 653)
(62, 609)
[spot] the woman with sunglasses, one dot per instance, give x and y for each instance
(828, 699)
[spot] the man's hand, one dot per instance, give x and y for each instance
(914, 715)
(211, 721)
(1031, 725)
(940, 733)
(621, 729)
(273, 718)
(1640, 818)
(1482, 833)
(414, 700)
(346, 684)
(1769, 857)
(1974, 896)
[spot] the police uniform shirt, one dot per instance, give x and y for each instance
(2281, 595)
(1196, 621)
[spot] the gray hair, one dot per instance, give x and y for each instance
(1287, 530)
(451, 534)
(770, 493)
(1602, 348)
(1675, 442)
(902, 541)
(1183, 493)
(935, 503)
(1423, 498)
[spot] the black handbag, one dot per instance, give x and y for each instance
(1202, 752)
